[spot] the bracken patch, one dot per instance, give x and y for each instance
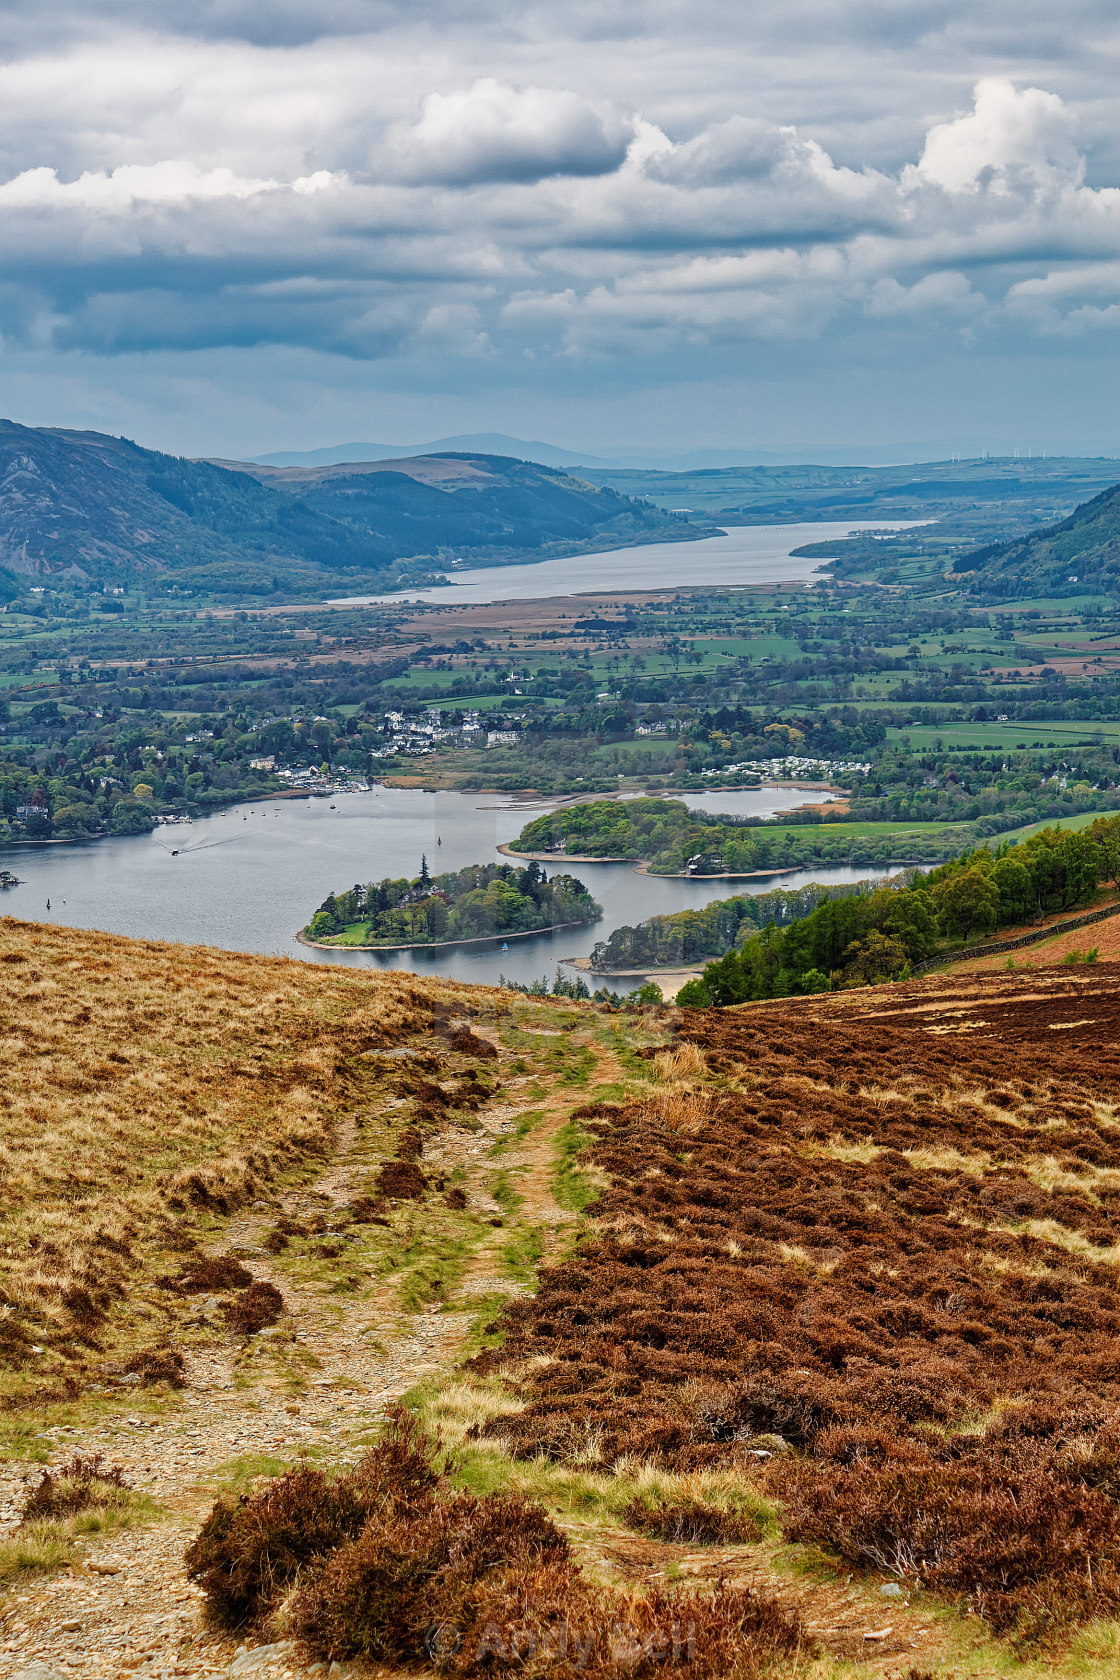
(256, 1308)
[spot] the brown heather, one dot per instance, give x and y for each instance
(868, 1252)
(387, 1561)
(77, 1485)
(148, 1088)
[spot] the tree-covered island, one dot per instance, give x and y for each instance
(483, 900)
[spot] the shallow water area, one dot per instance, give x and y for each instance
(742, 556)
(248, 878)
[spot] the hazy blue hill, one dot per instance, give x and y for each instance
(1009, 488)
(1081, 554)
(485, 443)
(87, 509)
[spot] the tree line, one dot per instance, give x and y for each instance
(689, 936)
(867, 938)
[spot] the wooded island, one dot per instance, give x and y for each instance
(482, 900)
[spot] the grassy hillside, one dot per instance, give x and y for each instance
(162, 1089)
(79, 507)
(1079, 555)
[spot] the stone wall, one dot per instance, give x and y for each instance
(1001, 945)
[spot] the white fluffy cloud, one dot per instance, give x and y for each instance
(494, 132)
(1009, 141)
(504, 219)
(131, 185)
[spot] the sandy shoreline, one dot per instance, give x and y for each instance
(669, 979)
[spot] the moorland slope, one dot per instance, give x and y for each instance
(769, 1340)
(870, 1240)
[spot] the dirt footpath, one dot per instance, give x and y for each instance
(126, 1607)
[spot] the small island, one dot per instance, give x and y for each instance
(481, 902)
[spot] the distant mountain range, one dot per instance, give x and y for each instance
(486, 443)
(83, 508)
(660, 460)
(1078, 556)
(89, 511)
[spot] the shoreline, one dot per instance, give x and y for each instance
(506, 849)
(669, 979)
(445, 944)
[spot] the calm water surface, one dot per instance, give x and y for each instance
(744, 555)
(247, 878)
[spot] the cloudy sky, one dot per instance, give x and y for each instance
(229, 226)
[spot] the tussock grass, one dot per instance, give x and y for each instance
(83, 1498)
(161, 1087)
(685, 1062)
(240, 1473)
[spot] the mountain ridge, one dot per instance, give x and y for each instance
(488, 443)
(910, 453)
(87, 511)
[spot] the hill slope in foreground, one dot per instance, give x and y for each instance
(812, 1299)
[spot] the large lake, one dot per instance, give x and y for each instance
(744, 555)
(247, 878)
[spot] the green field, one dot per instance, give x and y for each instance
(996, 737)
(1077, 823)
(868, 830)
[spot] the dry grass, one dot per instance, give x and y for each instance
(685, 1062)
(150, 1088)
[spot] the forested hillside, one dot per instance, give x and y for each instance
(865, 938)
(1081, 555)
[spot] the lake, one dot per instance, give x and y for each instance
(744, 555)
(247, 878)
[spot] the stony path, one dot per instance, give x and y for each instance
(126, 1607)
